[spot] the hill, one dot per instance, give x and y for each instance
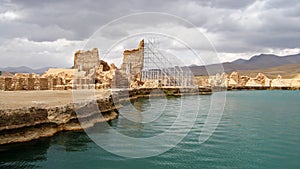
(261, 61)
(287, 71)
(24, 69)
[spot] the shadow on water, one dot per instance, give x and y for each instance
(26, 155)
(23, 155)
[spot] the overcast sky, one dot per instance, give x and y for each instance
(47, 33)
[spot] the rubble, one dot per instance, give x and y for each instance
(151, 84)
(236, 80)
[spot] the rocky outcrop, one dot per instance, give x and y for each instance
(279, 82)
(260, 80)
(25, 124)
(105, 65)
(151, 84)
(219, 80)
(235, 80)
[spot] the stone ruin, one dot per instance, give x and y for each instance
(133, 62)
(146, 67)
(88, 72)
(236, 80)
(23, 82)
(85, 60)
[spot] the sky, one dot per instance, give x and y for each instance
(47, 33)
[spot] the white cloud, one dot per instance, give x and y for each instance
(283, 52)
(9, 16)
(24, 52)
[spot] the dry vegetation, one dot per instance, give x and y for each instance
(288, 71)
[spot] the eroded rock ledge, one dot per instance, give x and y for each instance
(41, 120)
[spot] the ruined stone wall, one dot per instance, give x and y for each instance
(88, 73)
(86, 60)
(31, 83)
(2, 83)
(133, 62)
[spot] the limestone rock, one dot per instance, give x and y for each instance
(252, 83)
(151, 84)
(134, 84)
(279, 82)
(234, 78)
(105, 65)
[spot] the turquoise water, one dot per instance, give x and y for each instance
(258, 129)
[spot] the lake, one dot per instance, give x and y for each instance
(258, 129)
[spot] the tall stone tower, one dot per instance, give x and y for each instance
(133, 62)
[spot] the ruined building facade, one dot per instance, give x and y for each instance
(88, 73)
(133, 62)
(85, 60)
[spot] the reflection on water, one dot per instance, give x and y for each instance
(72, 141)
(159, 114)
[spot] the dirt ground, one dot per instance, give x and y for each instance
(20, 99)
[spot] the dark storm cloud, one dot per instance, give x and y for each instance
(232, 26)
(231, 4)
(80, 17)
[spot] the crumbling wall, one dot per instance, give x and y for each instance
(43, 84)
(133, 62)
(88, 73)
(86, 60)
(8, 84)
(2, 83)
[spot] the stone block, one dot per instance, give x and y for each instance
(23, 83)
(30, 83)
(2, 83)
(37, 83)
(8, 84)
(15, 83)
(43, 84)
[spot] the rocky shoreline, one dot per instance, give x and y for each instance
(43, 120)
(22, 121)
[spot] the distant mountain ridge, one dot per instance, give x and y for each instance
(24, 69)
(268, 60)
(261, 61)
